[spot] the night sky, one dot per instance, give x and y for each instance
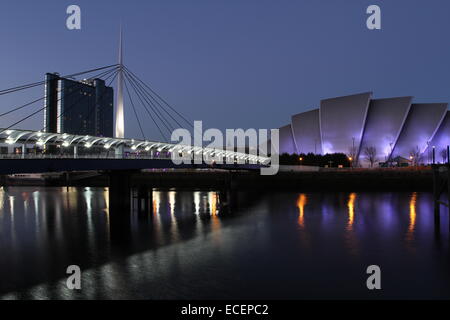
(232, 63)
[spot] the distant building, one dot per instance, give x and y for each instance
(78, 107)
(353, 125)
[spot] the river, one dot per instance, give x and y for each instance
(282, 245)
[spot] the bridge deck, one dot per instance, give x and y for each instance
(16, 166)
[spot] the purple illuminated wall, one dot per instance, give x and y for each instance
(306, 130)
(287, 144)
(420, 127)
(342, 122)
(383, 126)
(394, 126)
(441, 139)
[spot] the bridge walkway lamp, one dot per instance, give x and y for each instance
(411, 159)
(351, 161)
(301, 160)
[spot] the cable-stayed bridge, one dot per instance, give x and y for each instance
(44, 150)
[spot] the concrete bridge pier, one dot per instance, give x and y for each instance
(120, 190)
(120, 206)
(228, 195)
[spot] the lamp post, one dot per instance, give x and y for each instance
(390, 155)
(434, 154)
(448, 154)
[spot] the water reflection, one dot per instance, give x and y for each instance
(188, 248)
(301, 203)
(412, 220)
(351, 211)
(351, 235)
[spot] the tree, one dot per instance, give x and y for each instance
(444, 155)
(415, 156)
(352, 154)
(370, 154)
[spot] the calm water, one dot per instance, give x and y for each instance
(285, 245)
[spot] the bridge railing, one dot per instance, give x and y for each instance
(32, 156)
(71, 156)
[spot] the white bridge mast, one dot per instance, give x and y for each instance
(120, 123)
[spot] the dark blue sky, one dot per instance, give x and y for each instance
(234, 63)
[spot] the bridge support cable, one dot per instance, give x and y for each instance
(152, 106)
(43, 108)
(21, 107)
(41, 99)
(32, 85)
(159, 97)
(158, 113)
(148, 112)
(152, 101)
(113, 73)
(141, 99)
(134, 109)
(150, 95)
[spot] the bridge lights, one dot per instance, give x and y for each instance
(40, 142)
(66, 144)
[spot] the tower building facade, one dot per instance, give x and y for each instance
(78, 107)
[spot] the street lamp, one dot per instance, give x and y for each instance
(434, 154)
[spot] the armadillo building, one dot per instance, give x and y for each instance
(353, 124)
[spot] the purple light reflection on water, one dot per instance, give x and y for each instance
(275, 245)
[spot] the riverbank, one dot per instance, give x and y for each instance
(392, 179)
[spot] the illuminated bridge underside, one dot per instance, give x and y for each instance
(41, 139)
(393, 126)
